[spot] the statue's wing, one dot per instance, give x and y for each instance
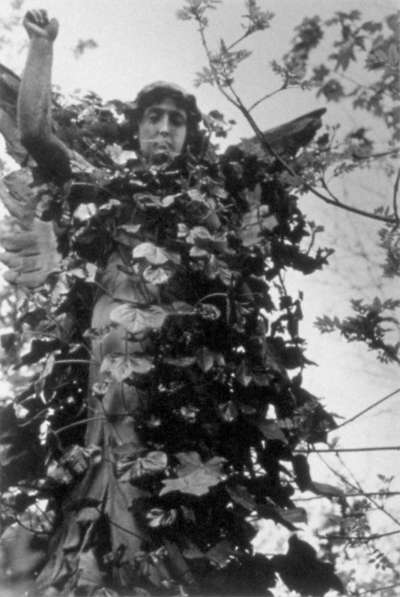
(29, 244)
(9, 84)
(287, 138)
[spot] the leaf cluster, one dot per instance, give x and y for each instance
(212, 343)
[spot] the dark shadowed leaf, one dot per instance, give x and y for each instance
(271, 431)
(221, 553)
(241, 496)
(301, 570)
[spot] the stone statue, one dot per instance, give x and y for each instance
(167, 126)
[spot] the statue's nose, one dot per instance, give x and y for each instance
(164, 124)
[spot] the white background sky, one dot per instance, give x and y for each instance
(142, 41)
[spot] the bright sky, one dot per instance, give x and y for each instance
(142, 41)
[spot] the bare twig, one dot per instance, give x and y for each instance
(268, 96)
(237, 42)
(340, 450)
(368, 408)
(395, 197)
(376, 590)
(385, 494)
(358, 487)
(77, 423)
(361, 538)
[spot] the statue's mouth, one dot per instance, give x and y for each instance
(162, 146)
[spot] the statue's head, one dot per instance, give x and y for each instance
(167, 121)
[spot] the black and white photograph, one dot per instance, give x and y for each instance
(199, 298)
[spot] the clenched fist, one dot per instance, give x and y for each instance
(38, 25)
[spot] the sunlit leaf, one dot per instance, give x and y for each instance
(136, 320)
(122, 367)
(154, 254)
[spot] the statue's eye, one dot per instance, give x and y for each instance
(178, 120)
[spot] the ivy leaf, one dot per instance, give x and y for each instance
(205, 358)
(122, 367)
(137, 321)
(154, 462)
(154, 254)
(221, 553)
(157, 275)
(271, 431)
(194, 476)
(201, 238)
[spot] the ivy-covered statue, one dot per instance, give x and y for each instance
(158, 405)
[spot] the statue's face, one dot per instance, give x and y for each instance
(162, 131)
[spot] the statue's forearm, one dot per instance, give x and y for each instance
(34, 112)
(34, 100)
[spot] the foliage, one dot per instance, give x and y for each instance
(212, 355)
(211, 344)
(369, 325)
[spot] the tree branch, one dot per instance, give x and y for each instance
(368, 408)
(341, 450)
(395, 197)
(267, 96)
(358, 487)
(385, 494)
(237, 102)
(361, 538)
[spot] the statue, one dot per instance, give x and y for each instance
(151, 265)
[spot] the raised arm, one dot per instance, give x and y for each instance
(34, 100)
